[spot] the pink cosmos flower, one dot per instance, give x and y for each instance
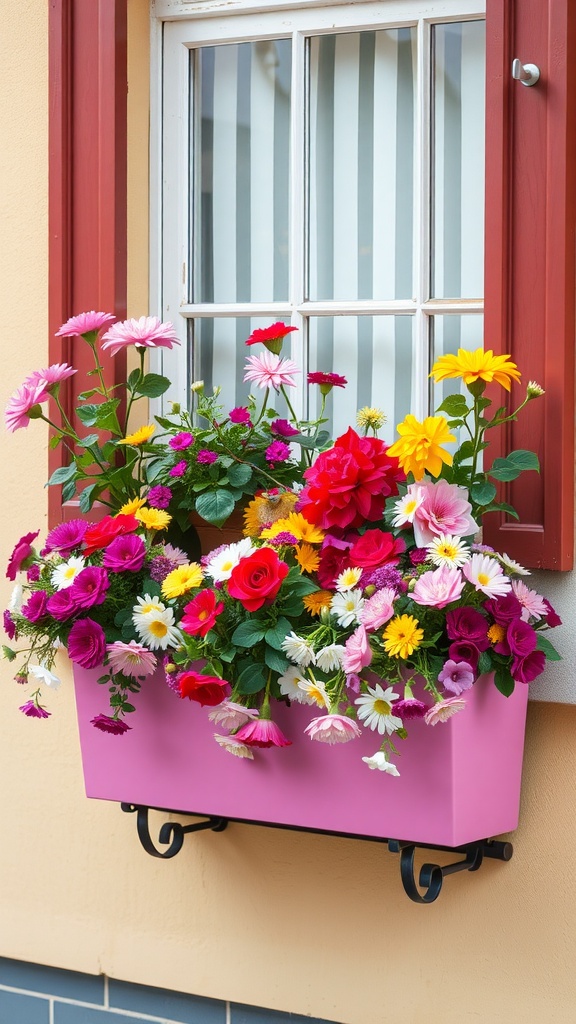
(239, 415)
(444, 709)
(262, 732)
(114, 726)
(86, 643)
(181, 441)
(54, 374)
(438, 588)
(278, 451)
(147, 332)
(333, 729)
(358, 654)
(456, 676)
(34, 710)
(22, 551)
(485, 574)
(131, 659)
(84, 323)
(283, 428)
(270, 371)
(378, 609)
(443, 509)
(23, 401)
(533, 605)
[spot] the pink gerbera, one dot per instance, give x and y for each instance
(270, 371)
(20, 406)
(84, 323)
(333, 729)
(327, 381)
(131, 659)
(444, 709)
(147, 332)
(51, 375)
(533, 604)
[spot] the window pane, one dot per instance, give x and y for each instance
(361, 165)
(458, 163)
(242, 149)
(375, 356)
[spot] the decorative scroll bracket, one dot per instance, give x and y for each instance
(171, 833)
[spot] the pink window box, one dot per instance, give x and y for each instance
(459, 782)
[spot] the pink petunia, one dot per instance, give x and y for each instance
(444, 509)
(21, 552)
(20, 406)
(181, 441)
(270, 371)
(147, 332)
(84, 323)
(333, 729)
(438, 588)
(34, 710)
(456, 676)
(86, 643)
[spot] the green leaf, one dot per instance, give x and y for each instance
(301, 585)
(465, 451)
(239, 474)
(102, 415)
(454, 405)
(68, 491)
(275, 660)
(251, 679)
(215, 506)
(88, 441)
(276, 634)
(55, 441)
(86, 499)
(153, 385)
(503, 680)
(515, 463)
(248, 633)
(543, 644)
(167, 424)
(502, 506)
(62, 474)
(484, 663)
(133, 379)
(483, 493)
(155, 467)
(89, 394)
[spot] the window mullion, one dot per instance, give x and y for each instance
(299, 191)
(422, 233)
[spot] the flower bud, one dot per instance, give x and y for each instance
(175, 408)
(197, 385)
(533, 390)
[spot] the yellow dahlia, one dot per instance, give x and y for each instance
(478, 365)
(153, 518)
(402, 636)
(419, 447)
(307, 557)
(267, 509)
(139, 436)
(131, 507)
(316, 603)
(181, 580)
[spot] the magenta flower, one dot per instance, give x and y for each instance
(33, 573)
(278, 451)
(240, 415)
(147, 332)
(524, 670)
(521, 638)
(443, 509)
(457, 676)
(20, 407)
(410, 707)
(358, 653)
(131, 659)
(386, 576)
(465, 650)
(61, 605)
(160, 567)
(533, 606)
(9, 625)
(159, 496)
(283, 428)
(552, 617)
(438, 588)
(418, 556)
(66, 536)
(112, 725)
(86, 643)
(262, 732)
(378, 609)
(333, 729)
(52, 375)
(84, 323)
(35, 607)
(270, 371)
(179, 469)
(34, 710)
(327, 381)
(468, 624)
(206, 457)
(90, 586)
(181, 441)
(125, 554)
(444, 709)
(21, 553)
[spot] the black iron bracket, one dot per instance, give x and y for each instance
(430, 879)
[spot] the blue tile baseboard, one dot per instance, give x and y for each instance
(34, 994)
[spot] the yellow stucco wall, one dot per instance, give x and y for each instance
(298, 922)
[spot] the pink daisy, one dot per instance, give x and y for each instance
(485, 574)
(19, 407)
(147, 332)
(270, 371)
(333, 729)
(131, 659)
(51, 375)
(444, 709)
(84, 323)
(438, 588)
(533, 604)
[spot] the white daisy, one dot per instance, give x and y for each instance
(510, 565)
(63, 575)
(16, 598)
(380, 762)
(290, 686)
(234, 746)
(375, 710)
(448, 550)
(155, 625)
(44, 675)
(315, 690)
(347, 607)
(348, 579)
(298, 650)
(406, 507)
(485, 574)
(221, 564)
(330, 657)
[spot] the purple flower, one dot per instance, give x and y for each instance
(34, 710)
(179, 469)
(418, 556)
(160, 567)
(62, 605)
(9, 627)
(240, 415)
(181, 441)
(278, 451)
(468, 624)
(125, 554)
(385, 576)
(503, 609)
(552, 617)
(35, 607)
(86, 643)
(284, 537)
(159, 496)
(33, 573)
(66, 536)
(524, 670)
(205, 456)
(112, 725)
(409, 707)
(456, 676)
(20, 555)
(90, 586)
(283, 428)
(521, 638)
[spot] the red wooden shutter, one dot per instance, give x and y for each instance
(87, 189)
(530, 263)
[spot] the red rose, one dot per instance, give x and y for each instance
(348, 485)
(376, 548)
(256, 579)
(334, 559)
(206, 690)
(100, 535)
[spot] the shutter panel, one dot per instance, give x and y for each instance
(530, 264)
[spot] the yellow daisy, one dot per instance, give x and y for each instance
(316, 603)
(266, 509)
(131, 507)
(370, 417)
(139, 436)
(307, 557)
(302, 529)
(181, 580)
(402, 636)
(419, 447)
(474, 366)
(153, 518)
